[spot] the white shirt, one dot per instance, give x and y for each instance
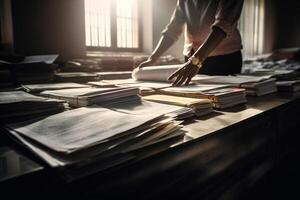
(198, 17)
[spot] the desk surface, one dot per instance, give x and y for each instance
(222, 119)
(14, 164)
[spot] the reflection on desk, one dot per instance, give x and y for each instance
(13, 164)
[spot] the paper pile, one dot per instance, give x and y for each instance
(222, 96)
(254, 85)
(36, 88)
(77, 77)
(200, 106)
(96, 135)
(87, 96)
(19, 105)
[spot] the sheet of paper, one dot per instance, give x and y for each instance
(81, 128)
(52, 86)
(180, 101)
(154, 73)
(79, 91)
(150, 84)
(143, 107)
(232, 80)
(287, 83)
(196, 88)
(18, 96)
(48, 59)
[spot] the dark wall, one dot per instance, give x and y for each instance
(43, 26)
(287, 23)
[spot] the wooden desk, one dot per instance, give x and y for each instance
(226, 155)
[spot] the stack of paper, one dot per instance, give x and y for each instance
(112, 83)
(260, 88)
(33, 69)
(146, 87)
(222, 96)
(114, 75)
(282, 68)
(143, 107)
(288, 86)
(254, 85)
(36, 88)
(19, 105)
(99, 135)
(87, 96)
(77, 77)
(200, 106)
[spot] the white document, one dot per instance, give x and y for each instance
(149, 84)
(81, 128)
(48, 59)
(88, 96)
(232, 80)
(52, 86)
(78, 92)
(154, 73)
(144, 107)
(195, 88)
(20, 96)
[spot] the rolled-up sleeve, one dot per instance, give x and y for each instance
(227, 15)
(175, 26)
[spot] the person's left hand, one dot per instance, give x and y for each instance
(184, 74)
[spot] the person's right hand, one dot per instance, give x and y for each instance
(146, 63)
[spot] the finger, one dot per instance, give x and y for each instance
(176, 73)
(178, 78)
(181, 81)
(189, 77)
(188, 80)
(183, 78)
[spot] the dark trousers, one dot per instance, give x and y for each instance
(222, 65)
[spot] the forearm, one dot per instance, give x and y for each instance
(162, 46)
(212, 41)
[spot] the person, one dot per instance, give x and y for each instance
(212, 40)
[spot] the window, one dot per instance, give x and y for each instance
(112, 25)
(252, 27)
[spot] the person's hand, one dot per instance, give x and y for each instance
(146, 63)
(184, 74)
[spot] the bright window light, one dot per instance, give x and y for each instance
(112, 23)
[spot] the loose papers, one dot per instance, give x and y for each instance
(200, 106)
(99, 135)
(17, 105)
(81, 128)
(36, 88)
(88, 96)
(254, 85)
(222, 96)
(154, 73)
(142, 107)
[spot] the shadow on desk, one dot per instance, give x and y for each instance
(202, 118)
(236, 109)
